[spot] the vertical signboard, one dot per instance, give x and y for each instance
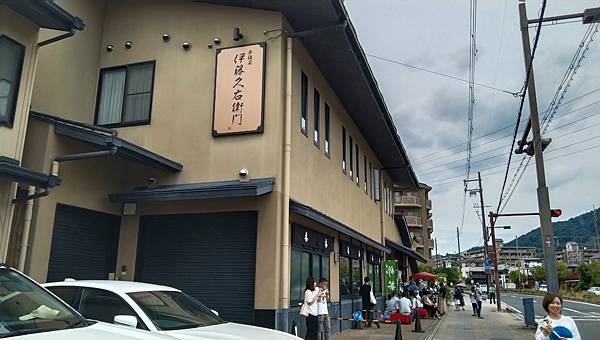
(239, 90)
(390, 276)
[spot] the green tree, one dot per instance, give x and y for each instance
(595, 272)
(424, 267)
(451, 274)
(539, 273)
(515, 276)
(585, 276)
(562, 271)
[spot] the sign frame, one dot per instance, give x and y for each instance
(261, 127)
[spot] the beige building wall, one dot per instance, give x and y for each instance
(12, 139)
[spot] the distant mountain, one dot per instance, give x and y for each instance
(578, 229)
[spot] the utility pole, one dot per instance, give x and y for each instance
(485, 233)
(459, 264)
(518, 262)
(542, 190)
(495, 251)
(597, 238)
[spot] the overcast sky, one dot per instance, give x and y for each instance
(430, 112)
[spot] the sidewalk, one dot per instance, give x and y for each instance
(494, 326)
(387, 332)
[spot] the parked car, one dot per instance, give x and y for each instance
(594, 290)
(543, 288)
(154, 308)
(483, 288)
(28, 311)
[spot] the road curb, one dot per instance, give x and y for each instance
(433, 330)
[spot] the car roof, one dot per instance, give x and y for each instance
(113, 285)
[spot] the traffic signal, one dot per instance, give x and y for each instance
(555, 212)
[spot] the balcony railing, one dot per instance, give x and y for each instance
(431, 244)
(428, 204)
(413, 201)
(413, 221)
(430, 224)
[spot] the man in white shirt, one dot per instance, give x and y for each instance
(322, 311)
(405, 304)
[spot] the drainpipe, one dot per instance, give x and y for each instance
(112, 150)
(26, 228)
(285, 216)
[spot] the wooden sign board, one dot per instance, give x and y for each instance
(239, 90)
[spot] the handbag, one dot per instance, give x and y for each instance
(372, 297)
(304, 309)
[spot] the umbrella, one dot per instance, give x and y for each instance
(424, 276)
(460, 284)
(413, 287)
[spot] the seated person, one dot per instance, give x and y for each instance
(391, 305)
(405, 305)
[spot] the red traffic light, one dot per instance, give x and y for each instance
(555, 212)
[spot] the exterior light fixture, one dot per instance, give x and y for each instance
(109, 48)
(237, 35)
(217, 41)
(186, 46)
(166, 37)
(128, 44)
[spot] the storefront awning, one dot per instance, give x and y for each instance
(11, 170)
(403, 230)
(319, 217)
(193, 191)
(405, 250)
(104, 139)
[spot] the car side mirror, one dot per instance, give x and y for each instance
(215, 312)
(126, 320)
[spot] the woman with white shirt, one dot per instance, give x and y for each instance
(311, 295)
(556, 326)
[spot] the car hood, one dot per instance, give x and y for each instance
(229, 331)
(97, 331)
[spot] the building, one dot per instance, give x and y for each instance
(20, 23)
(415, 206)
(219, 147)
(573, 254)
(506, 254)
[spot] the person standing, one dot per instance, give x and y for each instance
(456, 296)
(322, 311)
(478, 295)
(555, 325)
(311, 295)
(367, 306)
(442, 295)
(473, 301)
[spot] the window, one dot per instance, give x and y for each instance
(351, 159)
(356, 275)
(306, 264)
(357, 166)
(327, 127)
(366, 173)
(344, 149)
(12, 55)
(376, 184)
(125, 95)
(345, 277)
(385, 197)
(317, 107)
(101, 305)
(304, 103)
(371, 179)
(67, 294)
(397, 198)
(374, 274)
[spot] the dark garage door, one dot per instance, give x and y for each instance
(209, 256)
(84, 244)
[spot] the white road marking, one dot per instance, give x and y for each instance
(576, 311)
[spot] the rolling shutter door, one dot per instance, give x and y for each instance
(212, 257)
(84, 244)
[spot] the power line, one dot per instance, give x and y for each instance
(514, 94)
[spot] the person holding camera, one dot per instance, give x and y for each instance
(311, 295)
(323, 312)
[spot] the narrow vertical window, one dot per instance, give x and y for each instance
(366, 173)
(11, 64)
(357, 166)
(327, 127)
(371, 179)
(385, 197)
(351, 158)
(344, 149)
(304, 103)
(317, 115)
(376, 184)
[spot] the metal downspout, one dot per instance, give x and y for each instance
(285, 216)
(26, 228)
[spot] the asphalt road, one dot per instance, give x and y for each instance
(586, 315)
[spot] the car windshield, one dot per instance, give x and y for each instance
(170, 310)
(26, 308)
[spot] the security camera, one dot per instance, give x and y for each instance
(243, 172)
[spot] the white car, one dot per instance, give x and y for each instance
(155, 308)
(28, 311)
(543, 288)
(594, 290)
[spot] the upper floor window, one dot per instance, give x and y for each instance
(366, 173)
(357, 166)
(371, 179)
(317, 113)
(351, 159)
(344, 149)
(304, 103)
(327, 128)
(125, 95)
(12, 55)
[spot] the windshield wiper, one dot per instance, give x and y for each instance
(26, 331)
(76, 322)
